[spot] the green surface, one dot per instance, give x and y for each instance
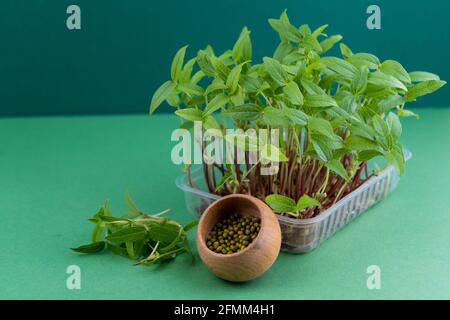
(56, 172)
(124, 49)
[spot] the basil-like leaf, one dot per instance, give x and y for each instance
(163, 92)
(305, 202)
(177, 64)
(132, 233)
(91, 248)
(191, 114)
(246, 112)
(281, 204)
(275, 71)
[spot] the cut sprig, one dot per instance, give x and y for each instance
(146, 238)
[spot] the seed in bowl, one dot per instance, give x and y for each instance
(233, 234)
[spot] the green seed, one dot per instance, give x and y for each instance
(233, 234)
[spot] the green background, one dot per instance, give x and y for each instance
(124, 49)
(55, 173)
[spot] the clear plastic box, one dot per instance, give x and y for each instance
(303, 235)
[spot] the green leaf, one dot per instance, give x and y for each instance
(223, 180)
(249, 83)
(138, 247)
(185, 75)
(403, 113)
(132, 233)
(205, 63)
(394, 125)
(216, 84)
(98, 230)
(209, 122)
(215, 104)
(337, 167)
(233, 78)
(275, 118)
(319, 31)
(91, 248)
(396, 159)
(363, 59)
(199, 75)
(423, 88)
(283, 50)
(275, 70)
(321, 126)
(312, 88)
(357, 143)
(113, 219)
(221, 70)
(246, 112)
(191, 114)
(177, 64)
(281, 204)
(345, 50)
(117, 249)
(339, 66)
(243, 141)
(174, 242)
(272, 153)
(359, 82)
(419, 76)
(396, 70)
(319, 101)
(381, 79)
(390, 102)
(242, 50)
(134, 210)
(164, 232)
(304, 30)
(190, 225)
(163, 92)
(293, 93)
(296, 117)
(328, 43)
(368, 154)
(130, 249)
(190, 89)
(312, 43)
(381, 128)
(285, 30)
(313, 66)
(305, 202)
(347, 101)
(322, 148)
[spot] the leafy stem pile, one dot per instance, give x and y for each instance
(142, 237)
(336, 113)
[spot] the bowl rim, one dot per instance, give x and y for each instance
(231, 255)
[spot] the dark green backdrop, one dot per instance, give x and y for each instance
(124, 49)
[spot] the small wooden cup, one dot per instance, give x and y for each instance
(260, 254)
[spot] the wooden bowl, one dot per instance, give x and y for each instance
(260, 254)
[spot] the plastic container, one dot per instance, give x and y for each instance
(303, 235)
